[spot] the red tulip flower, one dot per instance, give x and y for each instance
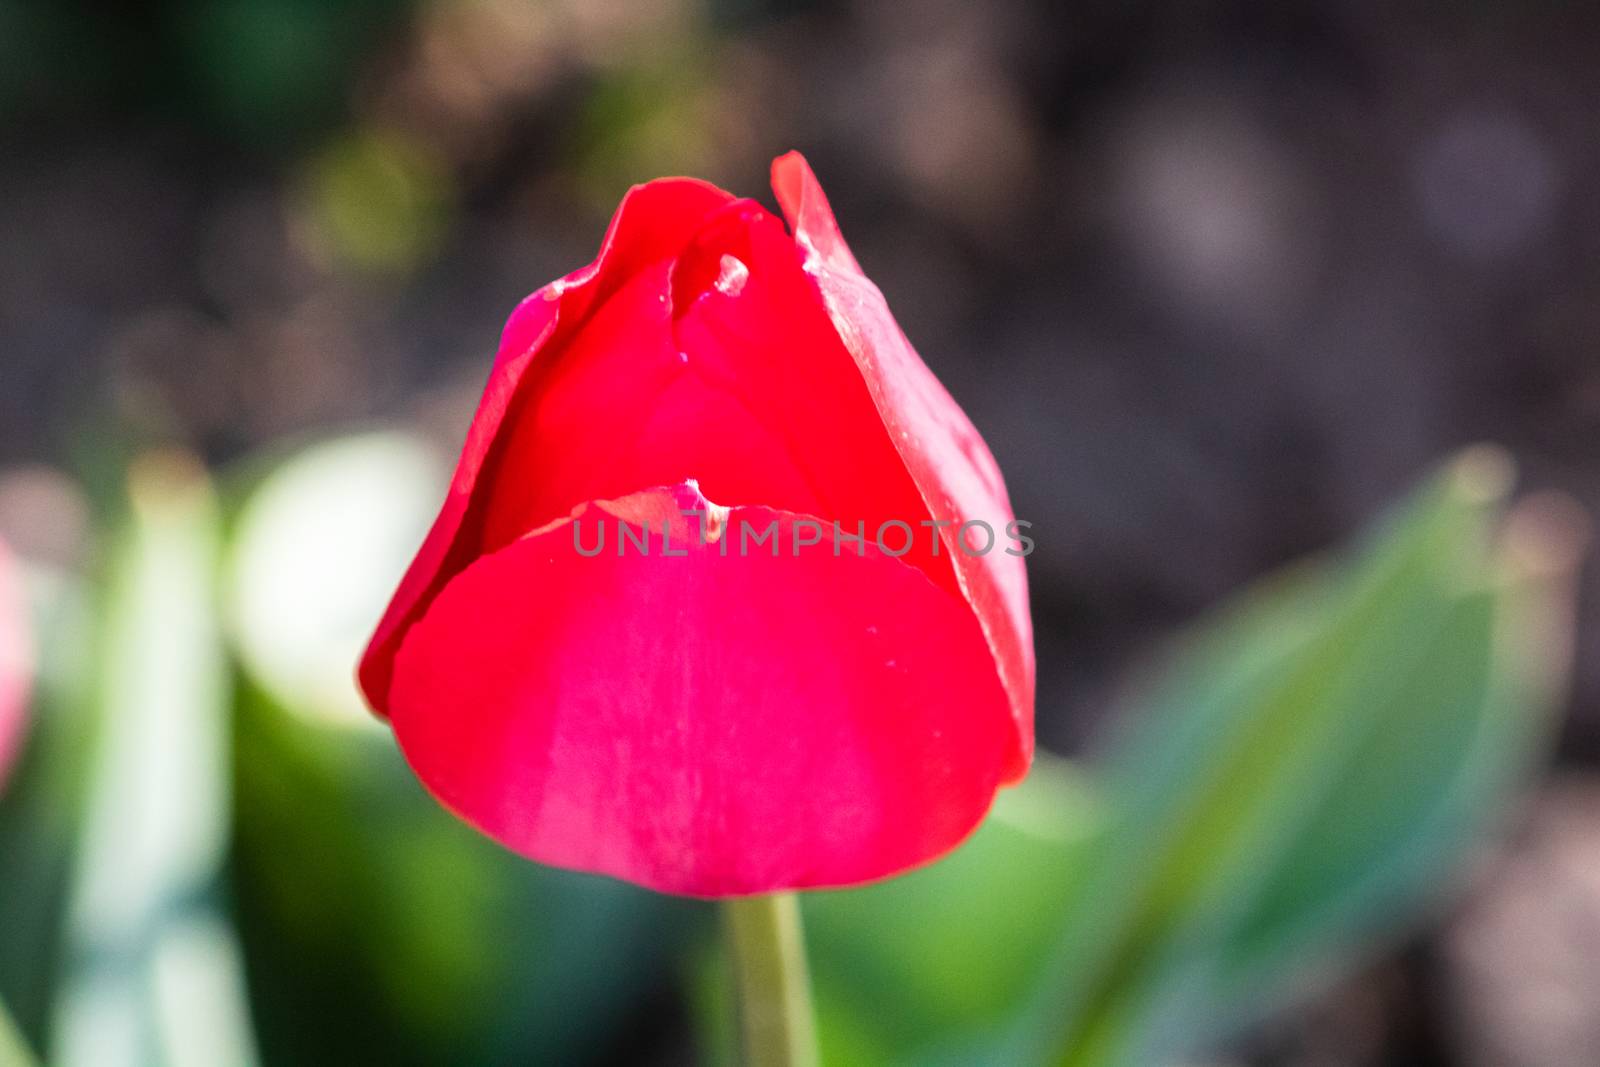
(705, 717)
(16, 661)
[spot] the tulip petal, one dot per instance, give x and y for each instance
(741, 385)
(653, 221)
(732, 720)
(952, 467)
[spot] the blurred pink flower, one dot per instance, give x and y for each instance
(16, 661)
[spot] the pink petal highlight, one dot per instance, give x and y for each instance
(16, 661)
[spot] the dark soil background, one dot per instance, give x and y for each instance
(1217, 281)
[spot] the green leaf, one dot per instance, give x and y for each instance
(14, 1050)
(40, 806)
(1308, 769)
(152, 970)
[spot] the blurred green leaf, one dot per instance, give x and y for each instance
(1309, 768)
(909, 964)
(41, 803)
(152, 973)
(14, 1050)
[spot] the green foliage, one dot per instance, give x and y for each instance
(152, 973)
(40, 804)
(905, 965)
(1311, 766)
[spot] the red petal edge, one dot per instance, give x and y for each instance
(952, 467)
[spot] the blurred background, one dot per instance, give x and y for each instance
(1217, 282)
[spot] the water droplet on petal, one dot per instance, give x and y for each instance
(732, 276)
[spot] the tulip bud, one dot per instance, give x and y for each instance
(633, 642)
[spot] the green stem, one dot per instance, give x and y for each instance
(13, 1049)
(774, 990)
